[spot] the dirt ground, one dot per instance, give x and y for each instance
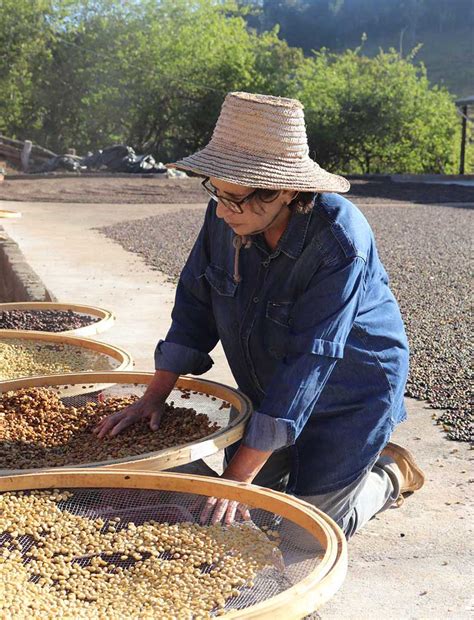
(146, 190)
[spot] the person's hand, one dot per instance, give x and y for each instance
(149, 407)
(223, 510)
(243, 467)
(146, 408)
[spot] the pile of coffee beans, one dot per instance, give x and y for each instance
(26, 358)
(39, 430)
(45, 320)
(61, 562)
(425, 249)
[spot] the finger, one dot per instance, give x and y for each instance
(219, 511)
(230, 513)
(110, 422)
(105, 418)
(206, 511)
(107, 424)
(244, 513)
(155, 419)
(196, 506)
(101, 423)
(125, 422)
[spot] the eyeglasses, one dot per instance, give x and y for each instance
(261, 195)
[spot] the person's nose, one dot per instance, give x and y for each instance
(221, 210)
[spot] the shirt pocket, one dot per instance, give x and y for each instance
(220, 281)
(277, 327)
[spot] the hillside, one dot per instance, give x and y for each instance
(444, 28)
(448, 57)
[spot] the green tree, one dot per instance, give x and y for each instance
(26, 31)
(153, 74)
(377, 115)
(197, 52)
(84, 90)
(90, 73)
(194, 53)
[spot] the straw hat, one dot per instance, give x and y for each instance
(260, 141)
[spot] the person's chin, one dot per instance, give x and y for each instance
(235, 226)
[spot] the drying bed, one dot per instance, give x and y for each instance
(48, 422)
(27, 354)
(66, 318)
(106, 545)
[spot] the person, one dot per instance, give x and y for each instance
(286, 274)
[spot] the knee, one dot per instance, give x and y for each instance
(348, 521)
(349, 524)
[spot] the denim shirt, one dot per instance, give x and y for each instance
(312, 334)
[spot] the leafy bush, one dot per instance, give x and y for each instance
(375, 115)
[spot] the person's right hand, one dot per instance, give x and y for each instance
(146, 408)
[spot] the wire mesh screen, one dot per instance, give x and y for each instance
(46, 427)
(21, 357)
(87, 552)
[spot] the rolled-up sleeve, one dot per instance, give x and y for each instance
(321, 321)
(193, 333)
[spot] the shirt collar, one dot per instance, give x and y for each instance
(293, 239)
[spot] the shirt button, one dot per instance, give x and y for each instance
(256, 300)
(266, 263)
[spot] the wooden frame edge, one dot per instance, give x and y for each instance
(7, 214)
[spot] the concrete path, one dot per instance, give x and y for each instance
(415, 562)
(79, 264)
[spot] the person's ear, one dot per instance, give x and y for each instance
(291, 195)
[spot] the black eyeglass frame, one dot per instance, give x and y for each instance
(235, 205)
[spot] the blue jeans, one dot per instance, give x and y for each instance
(354, 505)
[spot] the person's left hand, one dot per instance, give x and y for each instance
(243, 467)
(223, 510)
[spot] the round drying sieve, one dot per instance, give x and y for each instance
(34, 353)
(308, 567)
(99, 319)
(225, 407)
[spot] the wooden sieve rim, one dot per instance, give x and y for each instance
(295, 602)
(106, 317)
(158, 459)
(7, 214)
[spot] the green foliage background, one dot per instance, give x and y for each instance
(153, 74)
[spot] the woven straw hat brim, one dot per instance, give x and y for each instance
(260, 141)
(302, 174)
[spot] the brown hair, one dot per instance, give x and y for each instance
(303, 202)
